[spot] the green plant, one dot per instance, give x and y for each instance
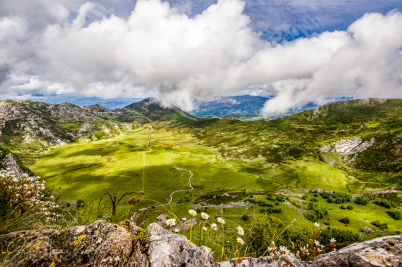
(350, 207)
(244, 217)
(324, 195)
(280, 198)
(361, 200)
(385, 203)
(80, 203)
(394, 214)
(344, 220)
(317, 212)
(380, 225)
(23, 202)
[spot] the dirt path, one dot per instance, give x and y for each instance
(171, 194)
(143, 158)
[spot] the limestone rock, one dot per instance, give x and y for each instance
(168, 249)
(9, 162)
(106, 244)
(383, 251)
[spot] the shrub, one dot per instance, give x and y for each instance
(23, 203)
(344, 197)
(314, 200)
(244, 217)
(277, 203)
(326, 223)
(383, 202)
(330, 200)
(380, 225)
(361, 200)
(265, 228)
(315, 195)
(324, 195)
(280, 198)
(394, 214)
(342, 207)
(344, 220)
(339, 200)
(350, 207)
(80, 203)
(271, 210)
(317, 212)
(343, 237)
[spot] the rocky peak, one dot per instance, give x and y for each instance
(95, 108)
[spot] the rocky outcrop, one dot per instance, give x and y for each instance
(106, 244)
(383, 251)
(50, 124)
(10, 163)
(347, 148)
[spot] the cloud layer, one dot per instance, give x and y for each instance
(160, 51)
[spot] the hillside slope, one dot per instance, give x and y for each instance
(33, 125)
(375, 126)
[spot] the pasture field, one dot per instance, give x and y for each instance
(88, 170)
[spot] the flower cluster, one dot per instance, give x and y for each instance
(214, 226)
(24, 193)
(274, 251)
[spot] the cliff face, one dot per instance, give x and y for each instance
(106, 244)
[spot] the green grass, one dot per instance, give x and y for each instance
(85, 171)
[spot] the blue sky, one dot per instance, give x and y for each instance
(278, 19)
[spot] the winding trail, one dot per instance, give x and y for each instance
(143, 158)
(143, 179)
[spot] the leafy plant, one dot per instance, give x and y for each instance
(361, 200)
(383, 202)
(395, 214)
(380, 225)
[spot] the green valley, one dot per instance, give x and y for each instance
(308, 167)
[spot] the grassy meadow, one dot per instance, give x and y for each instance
(87, 170)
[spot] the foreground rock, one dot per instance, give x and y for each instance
(106, 244)
(383, 251)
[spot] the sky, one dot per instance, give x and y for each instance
(181, 51)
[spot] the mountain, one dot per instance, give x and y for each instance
(81, 100)
(153, 110)
(361, 137)
(35, 125)
(247, 107)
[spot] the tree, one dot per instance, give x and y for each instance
(113, 200)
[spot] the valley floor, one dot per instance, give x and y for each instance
(88, 170)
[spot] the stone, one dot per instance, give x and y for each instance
(383, 251)
(106, 244)
(9, 162)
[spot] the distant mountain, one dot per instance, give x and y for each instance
(36, 125)
(153, 110)
(247, 107)
(86, 101)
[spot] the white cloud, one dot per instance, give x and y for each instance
(159, 51)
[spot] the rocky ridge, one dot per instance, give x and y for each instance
(50, 124)
(107, 244)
